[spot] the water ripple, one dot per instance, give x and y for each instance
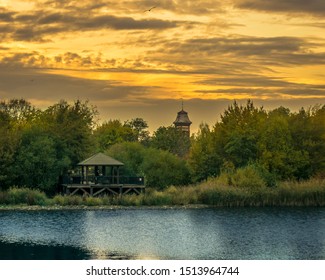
(239, 233)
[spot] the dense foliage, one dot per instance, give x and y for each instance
(281, 144)
(36, 147)
(160, 168)
(246, 146)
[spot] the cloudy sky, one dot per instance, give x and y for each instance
(131, 62)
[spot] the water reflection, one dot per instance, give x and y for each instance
(241, 233)
(27, 251)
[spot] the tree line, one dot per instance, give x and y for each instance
(279, 144)
(38, 146)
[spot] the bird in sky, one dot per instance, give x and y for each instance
(149, 10)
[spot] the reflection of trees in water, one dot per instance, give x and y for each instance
(23, 251)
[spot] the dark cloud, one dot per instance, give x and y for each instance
(312, 24)
(6, 15)
(304, 91)
(293, 92)
(31, 33)
(33, 84)
(247, 80)
(85, 5)
(260, 86)
(20, 60)
(243, 92)
(53, 18)
(39, 24)
(203, 7)
(313, 7)
(253, 51)
(242, 45)
(123, 23)
(98, 63)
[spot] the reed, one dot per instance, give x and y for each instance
(222, 191)
(26, 196)
(73, 200)
(92, 201)
(293, 193)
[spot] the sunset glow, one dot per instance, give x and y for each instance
(131, 62)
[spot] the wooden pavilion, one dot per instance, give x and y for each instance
(101, 174)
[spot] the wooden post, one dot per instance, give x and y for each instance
(118, 175)
(112, 174)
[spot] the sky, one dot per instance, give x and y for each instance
(141, 58)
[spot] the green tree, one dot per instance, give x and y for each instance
(15, 116)
(19, 110)
(36, 163)
(8, 145)
(163, 169)
(314, 141)
(172, 140)
(160, 168)
(277, 150)
(112, 132)
(203, 159)
(131, 154)
(71, 126)
(140, 128)
(238, 132)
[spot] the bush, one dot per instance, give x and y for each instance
(163, 169)
(131, 200)
(67, 200)
(92, 201)
(183, 195)
(247, 177)
(23, 196)
(154, 197)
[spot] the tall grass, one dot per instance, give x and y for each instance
(26, 196)
(223, 191)
(311, 192)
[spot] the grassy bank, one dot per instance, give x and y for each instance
(213, 192)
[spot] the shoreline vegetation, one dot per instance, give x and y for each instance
(211, 193)
(249, 157)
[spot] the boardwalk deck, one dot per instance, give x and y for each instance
(100, 189)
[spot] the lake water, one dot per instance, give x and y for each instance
(236, 233)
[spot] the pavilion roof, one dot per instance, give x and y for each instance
(100, 159)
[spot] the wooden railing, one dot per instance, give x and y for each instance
(103, 180)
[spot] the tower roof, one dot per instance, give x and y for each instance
(182, 118)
